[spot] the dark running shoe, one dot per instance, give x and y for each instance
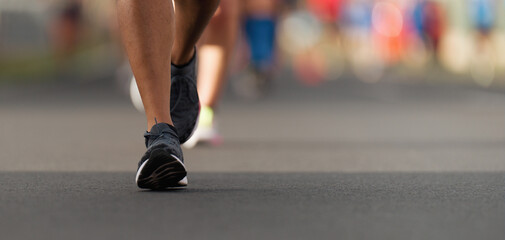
(184, 102)
(162, 165)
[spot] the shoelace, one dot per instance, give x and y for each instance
(155, 136)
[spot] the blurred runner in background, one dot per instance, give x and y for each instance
(259, 25)
(429, 22)
(65, 29)
(216, 49)
(483, 64)
(217, 46)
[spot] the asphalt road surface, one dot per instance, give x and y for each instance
(341, 161)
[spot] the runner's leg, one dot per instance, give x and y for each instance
(191, 18)
(147, 30)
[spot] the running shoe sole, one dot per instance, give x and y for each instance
(162, 171)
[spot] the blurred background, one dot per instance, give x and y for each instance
(416, 41)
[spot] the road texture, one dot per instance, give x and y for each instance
(344, 160)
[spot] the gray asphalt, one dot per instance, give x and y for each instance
(44, 205)
(342, 161)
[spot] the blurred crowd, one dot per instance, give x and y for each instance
(373, 37)
(318, 40)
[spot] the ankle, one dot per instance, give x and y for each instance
(183, 58)
(150, 124)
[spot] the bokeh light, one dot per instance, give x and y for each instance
(456, 51)
(298, 32)
(387, 19)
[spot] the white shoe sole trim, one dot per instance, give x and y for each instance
(183, 182)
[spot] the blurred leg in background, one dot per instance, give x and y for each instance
(216, 49)
(260, 26)
(483, 64)
(65, 31)
(260, 21)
